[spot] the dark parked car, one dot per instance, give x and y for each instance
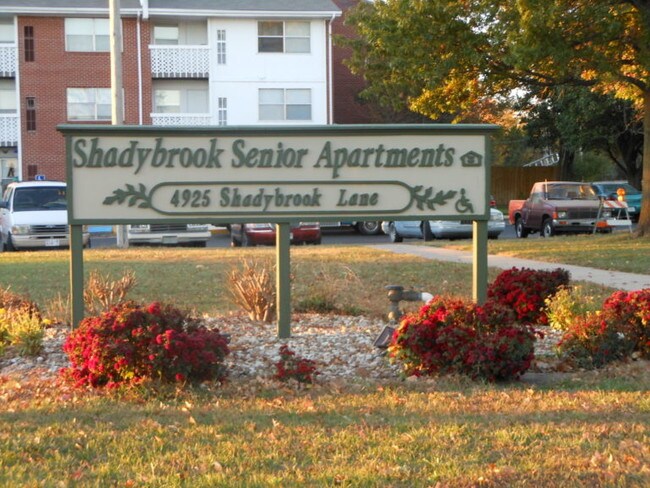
(610, 191)
(264, 234)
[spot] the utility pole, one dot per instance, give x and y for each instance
(117, 93)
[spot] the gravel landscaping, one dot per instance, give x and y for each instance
(342, 346)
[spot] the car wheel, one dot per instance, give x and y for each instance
(520, 231)
(426, 231)
(392, 233)
(369, 228)
(10, 244)
(547, 228)
(317, 241)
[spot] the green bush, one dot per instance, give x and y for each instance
(22, 330)
(594, 341)
(568, 304)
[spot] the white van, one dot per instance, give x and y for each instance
(33, 215)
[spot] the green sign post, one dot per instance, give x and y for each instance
(144, 174)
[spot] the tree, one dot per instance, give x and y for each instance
(573, 119)
(449, 56)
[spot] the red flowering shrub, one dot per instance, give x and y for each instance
(524, 291)
(450, 335)
(631, 312)
(595, 340)
(622, 327)
(131, 343)
(292, 366)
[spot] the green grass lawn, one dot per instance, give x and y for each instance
(619, 251)
(585, 429)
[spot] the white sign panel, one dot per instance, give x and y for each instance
(126, 174)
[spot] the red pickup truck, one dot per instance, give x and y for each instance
(558, 207)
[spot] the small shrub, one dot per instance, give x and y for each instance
(13, 301)
(631, 310)
(293, 367)
(131, 343)
(252, 287)
(593, 341)
(58, 309)
(524, 290)
(22, 330)
(316, 304)
(451, 335)
(569, 303)
(327, 288)
(101, 293)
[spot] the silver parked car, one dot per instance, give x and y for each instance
(442, 229)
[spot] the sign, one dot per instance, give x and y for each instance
(122, 174)
(147, 174)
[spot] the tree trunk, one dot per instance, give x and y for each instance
(567, 160)
(643, 229)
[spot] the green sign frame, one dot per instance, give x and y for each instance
(148, 174)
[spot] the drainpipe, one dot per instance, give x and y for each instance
(18, 171)
(140, 89)
(330, 90)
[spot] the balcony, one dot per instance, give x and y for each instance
(179, 61)
(180, 119)
(8, 130)
(8, 60)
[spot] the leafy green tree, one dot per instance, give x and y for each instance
(450, 56)
(574, 119)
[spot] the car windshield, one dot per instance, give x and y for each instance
(570, 191)
(40, 198)
(612, 187)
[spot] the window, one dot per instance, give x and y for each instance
(7, 96)
(287, 37)
(89, 104)
(223, 111)
(221, 46)
(180, 97)
(182, 33)
(86, 35)
(6, 32)
(285, 104)
(165, 34)
(30, 113)
(29, 43)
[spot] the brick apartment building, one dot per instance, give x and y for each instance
(185, 62)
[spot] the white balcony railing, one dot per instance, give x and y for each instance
(8, 130)
(8, 60)
(180, 119)
(180, 61)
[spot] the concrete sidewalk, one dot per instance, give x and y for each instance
(613, 279)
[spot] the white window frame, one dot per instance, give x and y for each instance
(284, 37)
(183, 90)
(7, 32)
(94, 96)
(165, 41)
(285, 104)
(222, 110)
(187, 34)
(97, 27)
(8, 99)
(221, 46)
